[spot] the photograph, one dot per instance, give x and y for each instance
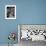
(10, 11)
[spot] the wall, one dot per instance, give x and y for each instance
(27, 12)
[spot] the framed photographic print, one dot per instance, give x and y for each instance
(10, 11)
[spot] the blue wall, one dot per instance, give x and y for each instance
(27, 12)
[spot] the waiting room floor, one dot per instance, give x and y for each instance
(32, 43)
